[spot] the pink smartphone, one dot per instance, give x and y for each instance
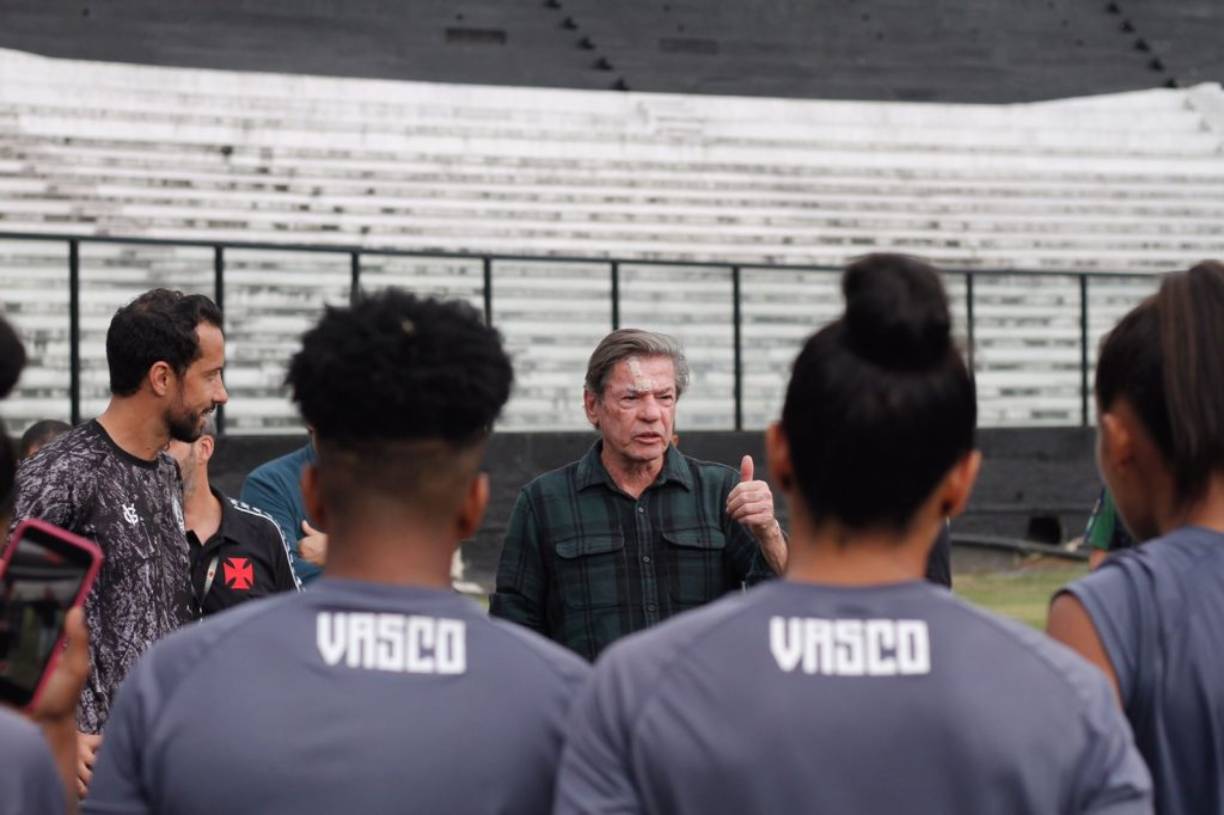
(44, 572)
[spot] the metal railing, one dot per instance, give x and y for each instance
(487, 262)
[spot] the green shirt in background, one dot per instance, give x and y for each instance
(585, 564)
(1105, 529)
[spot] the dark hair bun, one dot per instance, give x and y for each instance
(12, 357)
(896, 312)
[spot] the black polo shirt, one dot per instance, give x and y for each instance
(245, 558)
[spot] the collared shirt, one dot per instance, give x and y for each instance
(247, 556)
(585, 564)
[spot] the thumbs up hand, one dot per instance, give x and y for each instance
(751, 504)
(312, 546)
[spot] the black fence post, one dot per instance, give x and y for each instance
(74, 331)
(615, 294)
(219, 299)
(737, 327)
(1084, 392)
(488, 289)
(354, 277)
(970, 325)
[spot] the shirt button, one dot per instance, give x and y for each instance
(641, 509)
(650, 607)
(645, 558)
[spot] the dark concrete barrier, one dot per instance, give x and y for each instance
(1035, 482)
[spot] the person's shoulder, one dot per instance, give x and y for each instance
(20, 739)
(28, 773)
(67, 470)
(709, 471)
(1024, 645)
(552, 481)
(75, 453)
(285, 466)
(539, 653)
(252, 519)
(1171, 571)
(1183, 550)
(655, 650)
(180, 652)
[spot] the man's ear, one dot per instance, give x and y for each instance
(777, 455)
(205, 447)
(589, 401)
(472, 510)
(160, 378)
(957, 485)
(312, 498)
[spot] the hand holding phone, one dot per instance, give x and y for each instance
(45, 571)
(45, 574)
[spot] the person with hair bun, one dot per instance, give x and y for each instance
(1152, 617)
(853, 685)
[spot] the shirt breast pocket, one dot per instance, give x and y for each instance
(589, 570)
(695, 556)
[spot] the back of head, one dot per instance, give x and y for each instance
(39, 433)
(880, 405)
(401, 392)
(158, 326)
(1164, 359)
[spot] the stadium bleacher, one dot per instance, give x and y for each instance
(1117, 185)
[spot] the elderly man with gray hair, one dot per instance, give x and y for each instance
(634, 531)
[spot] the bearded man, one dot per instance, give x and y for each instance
(110, 480)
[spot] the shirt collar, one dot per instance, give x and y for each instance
(591, 470)
(225, 528)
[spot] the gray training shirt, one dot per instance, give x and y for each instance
(349, 698)
(874, 701)
(1159, 611)
(29, 782)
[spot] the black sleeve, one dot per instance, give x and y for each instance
(283, 576)
(939, 561)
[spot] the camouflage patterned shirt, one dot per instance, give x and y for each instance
(133, 510)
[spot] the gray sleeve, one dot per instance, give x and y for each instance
(30, 784)
(595, 775)
(1112, 776)
(1121, 621)
(118, 784)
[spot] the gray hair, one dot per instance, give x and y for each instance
(634, 342)
(210, 426)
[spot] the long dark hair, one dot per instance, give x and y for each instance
(1166, 358)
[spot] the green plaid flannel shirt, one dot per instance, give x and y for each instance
(585, 564)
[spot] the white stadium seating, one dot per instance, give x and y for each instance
(1120, 186)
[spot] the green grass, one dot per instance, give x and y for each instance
(1023, 594)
